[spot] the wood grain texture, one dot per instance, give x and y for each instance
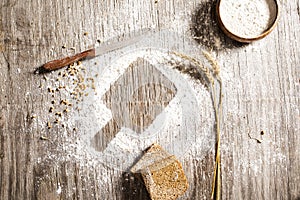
(261, 82)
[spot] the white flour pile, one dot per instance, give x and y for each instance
(247, 18)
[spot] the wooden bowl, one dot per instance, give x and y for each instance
(243, 39)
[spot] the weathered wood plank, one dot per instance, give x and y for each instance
(261, 82)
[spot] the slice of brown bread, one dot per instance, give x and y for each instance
(162, 173)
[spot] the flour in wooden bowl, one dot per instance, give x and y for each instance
(247, 19)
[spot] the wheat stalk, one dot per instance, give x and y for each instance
(205, 70)
(212, 75)
(214, 64)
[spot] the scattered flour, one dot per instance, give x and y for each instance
(247, 18)
(69, 140)
(174, 128)
(58, 191)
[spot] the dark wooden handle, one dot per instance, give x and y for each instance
(60, 63)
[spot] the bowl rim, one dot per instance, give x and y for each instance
(245, 39)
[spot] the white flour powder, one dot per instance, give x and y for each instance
(247, 18)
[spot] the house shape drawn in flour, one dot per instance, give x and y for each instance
(135, 99)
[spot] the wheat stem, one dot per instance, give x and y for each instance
(212, 75)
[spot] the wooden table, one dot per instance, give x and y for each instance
(260, 123)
